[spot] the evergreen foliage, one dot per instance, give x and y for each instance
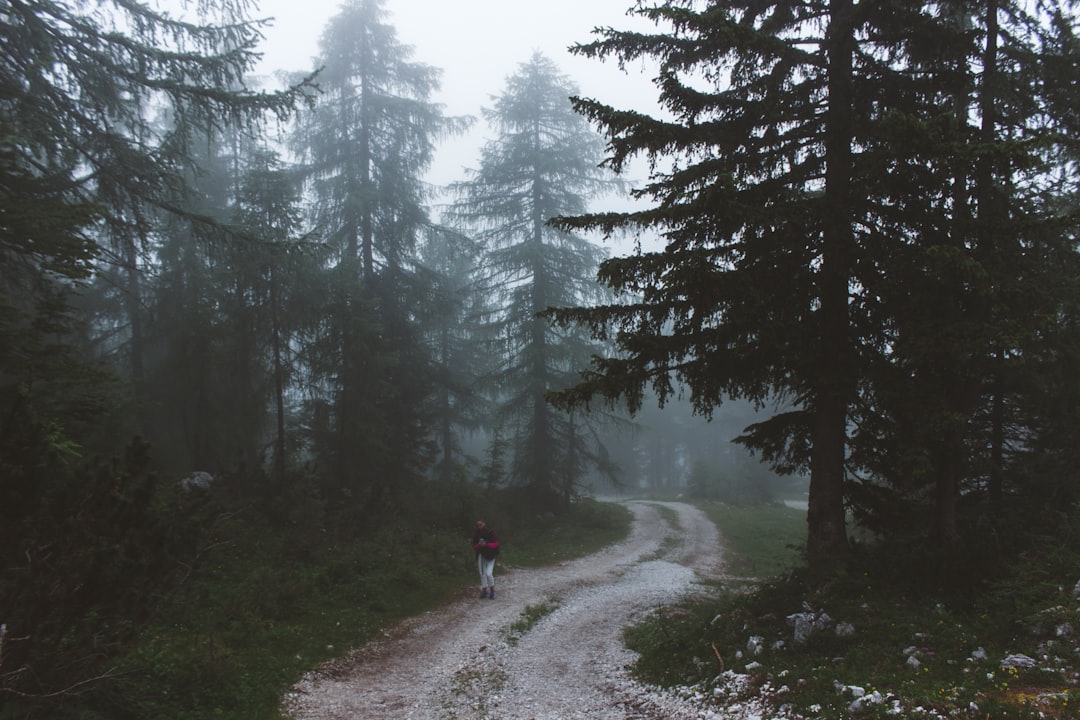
(452, 318)
(365, 147)
(868, 218)
(853, 202)
(543, 163)
(89, 554)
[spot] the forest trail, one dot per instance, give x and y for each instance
(457, 662)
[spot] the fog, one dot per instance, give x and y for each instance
(476, 44)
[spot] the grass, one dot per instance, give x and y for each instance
(265, 606)
(917, 639)
(530, 616)
(759, 541)
(538, 541)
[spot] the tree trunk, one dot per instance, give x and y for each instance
(279, 381)
(137, 346)
(997, 436)
(988, 212)
(446, 429)
(826, 528)
(543, 445)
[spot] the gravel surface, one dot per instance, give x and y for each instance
(466, 660)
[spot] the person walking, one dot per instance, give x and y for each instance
(486, 544)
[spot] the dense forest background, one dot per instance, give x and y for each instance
(856, 253)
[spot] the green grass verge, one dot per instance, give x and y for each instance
(538, 541)
(759, 541)
(264, 606)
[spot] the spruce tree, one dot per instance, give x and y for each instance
(974, 277)
(847, 205)
(452, 317)
(760, 211)
(542, 163)
(365, 147)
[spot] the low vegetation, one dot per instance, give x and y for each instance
(899, 631)
(261, 604)
(530, 616)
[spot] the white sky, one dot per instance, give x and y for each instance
(477, 44)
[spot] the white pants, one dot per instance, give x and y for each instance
(487, 571)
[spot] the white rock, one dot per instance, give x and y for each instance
(197, 480)
(1018, 660)
(874, 698)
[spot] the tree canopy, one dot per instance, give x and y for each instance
(824, 159)
(543, 163)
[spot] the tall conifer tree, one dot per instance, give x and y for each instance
(835, 229)
(366, 145)
(752, 295)
(542, 163)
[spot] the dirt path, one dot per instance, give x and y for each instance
(457, 662)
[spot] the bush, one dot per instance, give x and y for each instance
(88, 555)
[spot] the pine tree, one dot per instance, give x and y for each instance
(365, 146)
(971, 290)
(369, 139)
(84, 84)
(542, 164)
(452, 318)
(752, 295)
(836, 233)
(280, 259)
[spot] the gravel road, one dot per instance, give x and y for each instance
(461, 661)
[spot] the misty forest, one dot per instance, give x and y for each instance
(242, 336)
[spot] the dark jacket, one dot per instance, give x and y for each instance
(491, 549)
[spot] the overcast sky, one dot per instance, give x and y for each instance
(477, 44)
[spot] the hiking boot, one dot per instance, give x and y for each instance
(492, 595)
(483, 594)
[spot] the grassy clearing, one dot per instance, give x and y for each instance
(264, 606)
(897, 633)
(759, 541)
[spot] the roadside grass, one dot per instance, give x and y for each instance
(530, 616)
(899, 632)
(266, 605)
(534, 541)
(759, 541)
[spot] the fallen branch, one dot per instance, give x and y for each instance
(66, 691)
(718, 658)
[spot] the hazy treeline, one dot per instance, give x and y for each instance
(866, 213)
(259, 280)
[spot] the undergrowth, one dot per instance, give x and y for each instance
(901, 630)
(264, 605)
